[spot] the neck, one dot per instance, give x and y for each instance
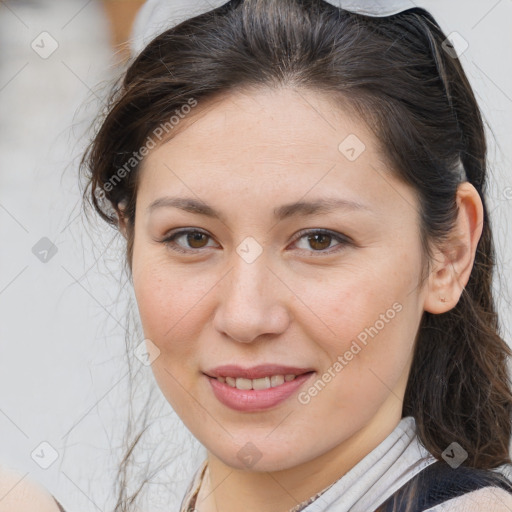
(229, 489)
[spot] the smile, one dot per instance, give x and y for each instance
(262, 383)
(246, 394)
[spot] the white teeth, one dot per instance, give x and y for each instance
(276, 380)
(242, 383)
(261, 383)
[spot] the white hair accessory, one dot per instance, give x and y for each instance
(376, 8)
(156, 16)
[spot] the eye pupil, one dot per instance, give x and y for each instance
(313, 239)
(195, 237)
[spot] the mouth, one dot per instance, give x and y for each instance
(257, 388)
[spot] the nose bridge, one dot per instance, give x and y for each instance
(249, 287)
(249, 300)
(249, 274)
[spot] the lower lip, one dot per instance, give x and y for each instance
(256, 399)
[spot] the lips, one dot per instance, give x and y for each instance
(253, 395)
(256, 388)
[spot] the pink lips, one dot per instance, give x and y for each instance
(248, 400)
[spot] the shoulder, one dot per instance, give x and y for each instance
(18, 493)
(490, 499)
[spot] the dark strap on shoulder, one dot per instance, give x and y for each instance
(439, 482)
(61, 508)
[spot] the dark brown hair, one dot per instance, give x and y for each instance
(395, 74)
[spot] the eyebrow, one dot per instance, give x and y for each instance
(299, 208)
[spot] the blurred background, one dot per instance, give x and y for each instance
(64, 300)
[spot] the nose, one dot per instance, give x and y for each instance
(251, 302)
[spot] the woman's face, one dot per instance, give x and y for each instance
(271, 288)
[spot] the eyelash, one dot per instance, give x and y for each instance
(170, 240)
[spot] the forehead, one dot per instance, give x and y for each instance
(297, 120)
(268, 142)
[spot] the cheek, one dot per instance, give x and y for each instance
(353, 298)
(366, 323)
(163, 304)
(172, 305)
(170, 310)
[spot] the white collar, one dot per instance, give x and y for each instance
(379, 475)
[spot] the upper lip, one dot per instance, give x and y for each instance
(255, 372)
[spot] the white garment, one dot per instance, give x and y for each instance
(379, 475)
(382, 472)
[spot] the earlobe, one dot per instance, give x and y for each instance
(454, 261)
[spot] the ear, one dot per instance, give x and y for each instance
(454, 261)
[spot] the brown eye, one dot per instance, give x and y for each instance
(193, 240)
(318, 241)
(196, 239)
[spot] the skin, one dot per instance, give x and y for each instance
(20, 493)
(299, 303)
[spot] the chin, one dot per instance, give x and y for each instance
(260, 456)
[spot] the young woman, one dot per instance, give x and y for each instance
(302, 192)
